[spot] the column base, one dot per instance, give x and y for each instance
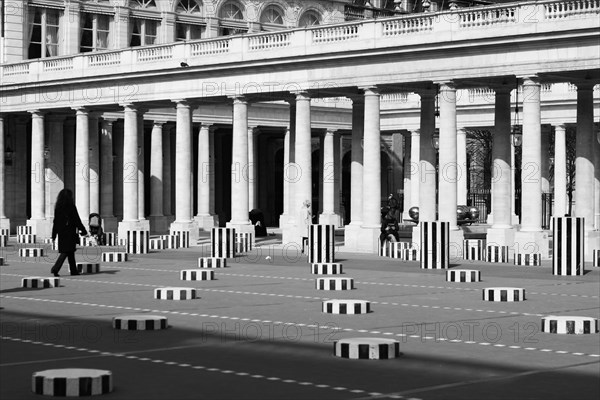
(290, 233)
(125, 226)
(330, 219)
(352, 236)
(456, 241)
(5, 223)
(110, 224)
(207, 221)
(190, 226)
(158, 224)
(501, 237)
(592, 242)
(532, 242)
(42, 228)
(285, 220)
(362, 239)
(241, 228)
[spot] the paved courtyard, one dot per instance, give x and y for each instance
(257, 330)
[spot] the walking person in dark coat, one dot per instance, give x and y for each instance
(67, 225)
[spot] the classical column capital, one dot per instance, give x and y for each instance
(206, 125)
(182, 103)
(530, 80)
(36, 113)
(81, 110)
(415, 132)
(503, 88)
(427, 94)
(370, 90)
(130, 107)
(253, 130)
(446, 85)
(584, 84)
(239, 99)
(461, 130)
(301, 95)
(158, 123)
(561, 126)
(330, 131)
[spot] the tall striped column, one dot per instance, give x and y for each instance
(435, 243)
(222, 241)
(138, 242)
(568, 246)
(321, 244)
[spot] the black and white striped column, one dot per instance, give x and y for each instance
(183, 238)
(463, 275)
(596, 257)
(212, 262)
(3, 240)
(174, 293)
(31, 252)
(411, 254)
(335, 283)
(38, 282)
(244, 242)
(561, 324)
(114, 256)
(474, 249)
(197, 275)
(367, 348)
(88, 268)
(222, 241)
(157, 244)
(170, 241)
(534, 259)
(140, 322)
(24, 230)
(435, 243)
(321, 244)
(4, 232)
(138, 242)
(72, 382)
(346, 306)
(503, 294)
(110, 238)
(568, 247)
(26, 238)
(496, 254)
(326, 269)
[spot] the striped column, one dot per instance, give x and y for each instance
(138, 242)
(534, 259)
(562, 324)
(568, 246)
(222, 241)
(321, 244)
(503, 294)
(244, 242)
(183, 238)
(110, 238)
(495, 253)
(474, 249)
(463, 275)
(170, 241)
(72, 382)
(435, 242)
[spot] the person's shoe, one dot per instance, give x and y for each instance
(75, 273)
(54, 272)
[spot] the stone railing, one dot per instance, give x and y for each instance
(476, 22)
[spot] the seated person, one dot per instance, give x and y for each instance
(389, 226)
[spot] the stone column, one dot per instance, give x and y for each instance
(584, 166)
(303, 153)
(352, 233)
(69, 156)
(183, 172)
(330, 173)
(140, 154)
(371, 174)
(82, 162)
(158, 222)
(545, 131)
(411, 171)
(37, 178)
(239, 164)
(397, 164)
(560, 171)
(94, 168)
(206, 217)
(531, 238)
(502, 231)
(462, 171)
(337, 180)
(107, 212)
(4, 221)
(251, 168)
(167, 173)
(287, 167)
(55, 164)
(597, 177)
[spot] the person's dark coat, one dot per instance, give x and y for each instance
(67, 225)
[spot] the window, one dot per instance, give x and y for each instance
(231, 11)
(189, 31)
(189, 7)
(143, 32)
(143, 4)
(272, 15)
(94, 32)
(308, 19)
(43, 33)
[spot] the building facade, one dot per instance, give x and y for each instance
(171, 115)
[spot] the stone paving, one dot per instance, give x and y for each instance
(257, 330)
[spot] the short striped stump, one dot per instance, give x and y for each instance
(346, 306)
(243, 242)
(197, 275)
(174, 293)
(26, 239)
(72, 382)
(140, 322)
(503, 294)
(212, 262)
(122, 242)
(568, 247)
(569, 325)
(335, 284)
(88, 268)
(222, 242)
(114, 256)
(393, 249)
(157, 244)
(4, 232)
(3, 240)
(463, 275)
(366, 348)
(87, 241)
(38, 282)
(474, 249)
(326, 269)
(170, 241)
(183, 238)
(410, 255)
(32, 252)
(24, 230)
(496, 254)
(110, 238)
(596, 257)
(534, 259)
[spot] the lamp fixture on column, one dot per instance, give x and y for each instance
(435, 140)
(517, 130)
